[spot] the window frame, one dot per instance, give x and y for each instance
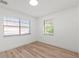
(45, 28)
(24, 27)
(19, 27)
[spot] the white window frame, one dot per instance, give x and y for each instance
(51, 21)
(20, 27)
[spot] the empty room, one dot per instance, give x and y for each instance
(39, 28)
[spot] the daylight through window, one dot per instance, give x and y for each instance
(15, 26)
(48, 27)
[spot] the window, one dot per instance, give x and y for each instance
(48, 27)
(11, 26)
(15, 26)
(25, 26)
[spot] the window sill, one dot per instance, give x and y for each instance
(16, 35)
(49, 34)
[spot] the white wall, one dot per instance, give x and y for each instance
(78, 29)
(65, 29)
(15, 41)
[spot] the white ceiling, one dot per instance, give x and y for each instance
(44, 8)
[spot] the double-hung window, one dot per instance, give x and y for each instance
(16, 26)
(48, 27)
(25, 26)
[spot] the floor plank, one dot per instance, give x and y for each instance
(38, 50)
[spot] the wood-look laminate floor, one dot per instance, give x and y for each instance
(38, 50)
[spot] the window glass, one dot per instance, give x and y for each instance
(16, 26)
(25, 27)
(48, 27)
(11, 30)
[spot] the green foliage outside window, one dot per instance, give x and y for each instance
(48, 27)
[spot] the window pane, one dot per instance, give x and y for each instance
(13, 19)
(48, 27)
(25, 26)
(11, 30)
(25, 30)
(10, 23)
(25, 23)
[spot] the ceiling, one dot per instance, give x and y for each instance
(45, 7)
